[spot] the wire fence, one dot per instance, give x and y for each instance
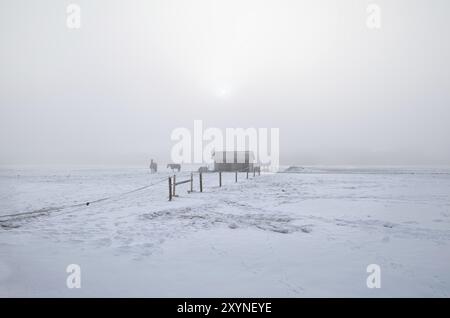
(46, 211)
(173, 184)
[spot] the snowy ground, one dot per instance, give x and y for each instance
(310, 232)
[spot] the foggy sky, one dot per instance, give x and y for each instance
(112, 91)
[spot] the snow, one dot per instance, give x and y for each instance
(310, 232)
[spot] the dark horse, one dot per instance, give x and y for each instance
(153, 166)
(203, 169)
(174, 166)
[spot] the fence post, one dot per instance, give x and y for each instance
(170, 189)
(254, 172)
(201, 182)
(235, 176)
(192, 181)
(220, 178)
(247, 174)
(174, 184)
(259, 171)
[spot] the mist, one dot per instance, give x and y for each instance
(112, 91)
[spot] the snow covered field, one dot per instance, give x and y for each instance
(310, 232)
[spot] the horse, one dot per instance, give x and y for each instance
(203, 169)
(153, 166)
(174, 166)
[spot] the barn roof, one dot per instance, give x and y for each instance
(229, 156)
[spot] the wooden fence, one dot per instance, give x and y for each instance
(173, 183)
